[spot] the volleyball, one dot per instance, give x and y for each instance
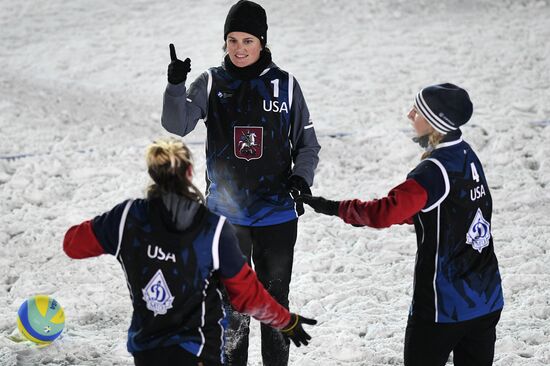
(41, 319)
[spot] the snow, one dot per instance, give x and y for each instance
(81, 86)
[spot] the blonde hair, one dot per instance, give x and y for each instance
(434, 139)
(168, 161)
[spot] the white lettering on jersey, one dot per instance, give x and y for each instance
(159, 254)
(275, 106)
(479, 234)
(157, 295)
(275, 83)
(475, 175)
(477, 192)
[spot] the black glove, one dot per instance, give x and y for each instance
(298, 186)
(319, 204)
(294, 330)
(178, 69)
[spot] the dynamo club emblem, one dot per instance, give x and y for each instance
(248, 142)
(157, 295)
(479, 234)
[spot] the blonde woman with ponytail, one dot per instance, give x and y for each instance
(457, 298)
(170, 166)
(177, 256)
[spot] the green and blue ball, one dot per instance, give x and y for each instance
(41, 319)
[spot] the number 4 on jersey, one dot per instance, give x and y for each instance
(475, 175)
(478, 191)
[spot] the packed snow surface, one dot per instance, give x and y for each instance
(81, 86)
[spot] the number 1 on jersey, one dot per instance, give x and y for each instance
(275, 83)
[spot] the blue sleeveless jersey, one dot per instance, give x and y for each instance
(456, 271)
(173, 281)
(248, 150)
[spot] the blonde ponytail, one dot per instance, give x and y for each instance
(434, 139)
(168, 161)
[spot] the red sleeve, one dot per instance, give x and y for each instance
(247, 295)
(398, 207)
(81, 242)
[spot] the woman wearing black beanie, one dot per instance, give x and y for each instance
(261, 150)
(457, 292)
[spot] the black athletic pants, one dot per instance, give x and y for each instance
(169, 356)
(272, 249)
(472, 342)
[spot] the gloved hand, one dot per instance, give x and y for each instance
(177, 69)
(298, 186)
(320, 205)
(294, 330)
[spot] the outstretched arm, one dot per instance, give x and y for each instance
(398, 207)
(94, 237)
(401, 203)
(80, 242)
(247, 295)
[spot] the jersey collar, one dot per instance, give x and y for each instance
(449, 143)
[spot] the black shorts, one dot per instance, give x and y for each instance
(472, 342)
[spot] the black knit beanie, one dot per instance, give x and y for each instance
(445, 106)
(249, 17)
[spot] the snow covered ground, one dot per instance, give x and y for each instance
(81, 86)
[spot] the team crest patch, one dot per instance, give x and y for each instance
(479, 233)
(157, 295)
(248, 142)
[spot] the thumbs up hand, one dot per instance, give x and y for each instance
(177, 69)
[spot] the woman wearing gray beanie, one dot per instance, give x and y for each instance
(261, 151)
